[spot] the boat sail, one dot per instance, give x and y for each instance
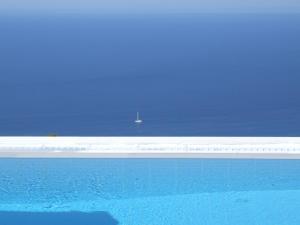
(138, 120)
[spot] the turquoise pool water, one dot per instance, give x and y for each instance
(149, 192)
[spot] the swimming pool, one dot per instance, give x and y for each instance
(149, 191)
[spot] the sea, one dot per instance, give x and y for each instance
(187, 75)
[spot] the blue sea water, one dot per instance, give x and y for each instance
(149, 192)
(187, 75)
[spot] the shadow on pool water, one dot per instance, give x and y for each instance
(56, 218)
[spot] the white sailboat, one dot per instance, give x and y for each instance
(138, 120)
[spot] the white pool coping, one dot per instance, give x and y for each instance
(150, 147)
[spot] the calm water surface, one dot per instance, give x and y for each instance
(221, 75)
(149, 192)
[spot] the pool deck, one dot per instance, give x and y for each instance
(150, 147)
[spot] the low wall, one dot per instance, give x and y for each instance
(151, 147)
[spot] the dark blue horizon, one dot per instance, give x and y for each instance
(197, 75)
